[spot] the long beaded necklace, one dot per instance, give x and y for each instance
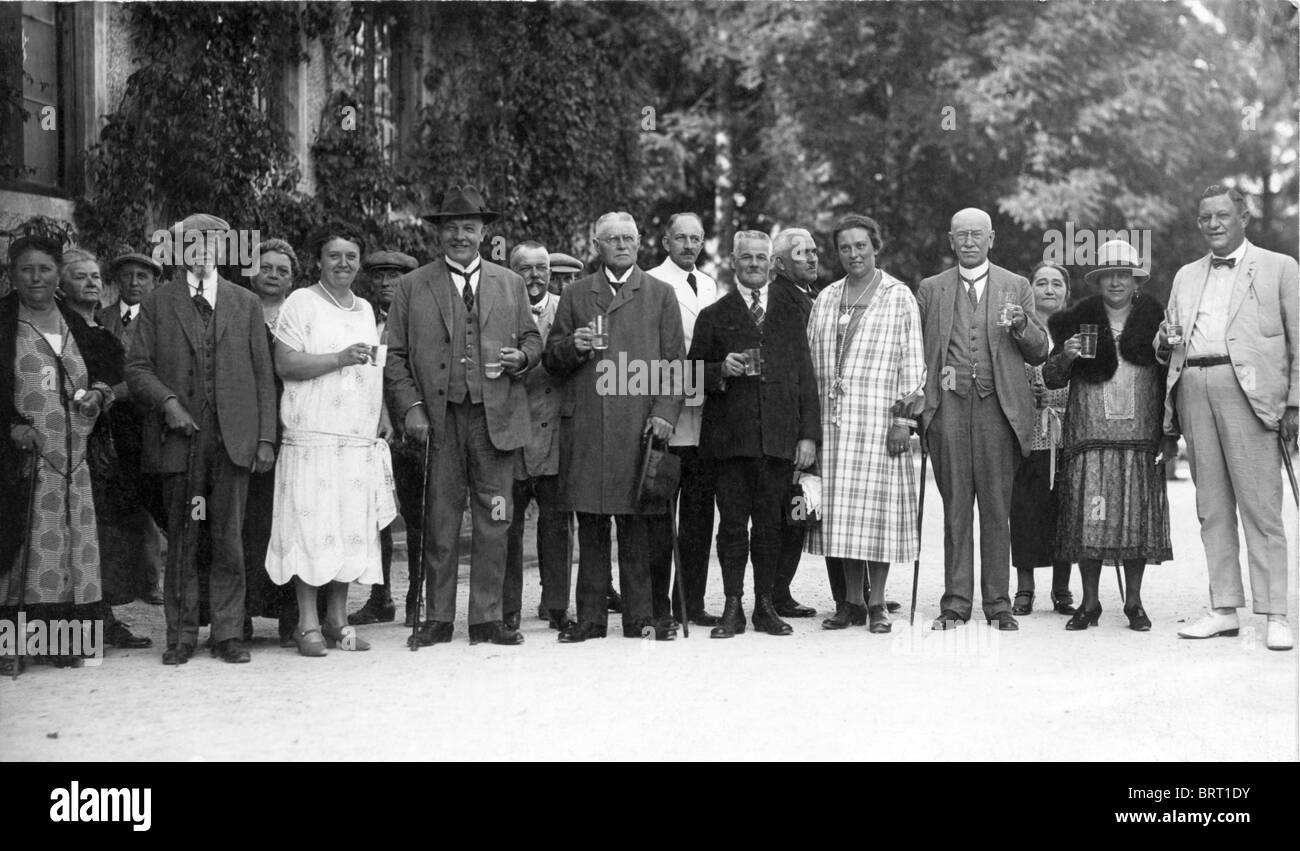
(841, 344)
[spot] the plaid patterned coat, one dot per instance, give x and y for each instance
(868, 497)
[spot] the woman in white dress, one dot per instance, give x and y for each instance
(333, 479)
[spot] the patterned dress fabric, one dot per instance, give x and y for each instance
(333, 479)
(63, 559)
(868, 496)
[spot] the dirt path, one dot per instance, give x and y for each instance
(1041, 693)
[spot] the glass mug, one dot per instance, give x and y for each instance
(1087, 341)
(1173, 330)
(1004, 312)
(753, 361)
(600, 332)
(492, 368)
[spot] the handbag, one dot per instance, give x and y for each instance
(660, 473)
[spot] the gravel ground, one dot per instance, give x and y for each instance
(1042, 693)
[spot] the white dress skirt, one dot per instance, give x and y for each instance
(333, 477)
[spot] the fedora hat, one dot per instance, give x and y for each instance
(462, 202)
(1117, 255)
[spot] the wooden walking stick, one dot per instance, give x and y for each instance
(920, 513)
(1290, 468)
(413, 641)
(677, 564)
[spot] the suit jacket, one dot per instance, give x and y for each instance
(936, 299)
(419, 349)
(690, 303)
(760, 415)
(162, 363)
(1261, 333)
(601, 422)
(541, 455)
(792, 289)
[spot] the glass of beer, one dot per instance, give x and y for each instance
(1088, 341)
(753, 361)
(1173, 330)
(492, 366)
(600, 332)
(1004, 311)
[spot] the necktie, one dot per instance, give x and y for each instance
(971, 291)
(690, 279)
(756, 309)
(467, 292)
(201, 304)
(1216, 262)
(126, 319)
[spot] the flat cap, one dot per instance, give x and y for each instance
(565, 263)
(389, 260)
(133, 257)
(204, 222)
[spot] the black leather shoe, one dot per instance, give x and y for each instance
(577, 633)
(893, 606)
(496, 632)
(765, 618)
(511, 620)
(879, 620)
(177, 654)
(792, 608)
(1137, 619)
(660, 629)
(435, 632)
(948, 619)
(858, 615)
(1063, 604)
(732, 622)
(559, 619)
(703, 618)
(1024, 603)
(378, 609)
(119, 636)
(1082, 619)
(231, 650)
(1005, 621)
(613, 602)
(842, 619)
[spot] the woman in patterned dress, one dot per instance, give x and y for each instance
(1112, 492)
(1033, 502)
(865, 336)
(333, 479)
(52, 389)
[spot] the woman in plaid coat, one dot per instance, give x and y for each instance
(865, 337)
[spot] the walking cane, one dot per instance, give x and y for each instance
(1119, 578)
(677, 563)
(1290, 468)
(920, 512)
(413, 641)
(187, 521)
(26, 554)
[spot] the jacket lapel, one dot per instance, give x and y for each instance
(184, 310)
(947, 292)
(222, 312)
(489, 293)
(627, 291)
(1200, 277)
(439, 281)
(1241, 282)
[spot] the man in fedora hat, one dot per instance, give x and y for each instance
(201, 364)
(460, 337)
(1232, 392)
(381, 271)
(136, 275)
(979, 412)
(602, 431)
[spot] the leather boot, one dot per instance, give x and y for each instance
(766, 619)
(732, 621)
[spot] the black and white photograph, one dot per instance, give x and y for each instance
(655, 382)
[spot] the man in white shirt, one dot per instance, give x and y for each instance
(1234, 395)
(684, 240)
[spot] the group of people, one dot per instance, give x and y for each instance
(274, 433)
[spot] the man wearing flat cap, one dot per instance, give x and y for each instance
(564, 271)
(201, 366)
(381, 271)
(135, 276)
(460, 336)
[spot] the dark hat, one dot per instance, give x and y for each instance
(462, 202)
(202, 222)
(133, 257)
(564, 263)
(389, 260)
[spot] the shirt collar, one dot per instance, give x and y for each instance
(748, 294)
(621, 279)
(193, 280)
(130, 309)
(474, 265)
(1238, 253)
(973, 274)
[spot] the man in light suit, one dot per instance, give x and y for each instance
(979, 412)
(1233, 393)
(604, 417)
(537, 466)
(201, 366)
(683, 240)
(460, 335)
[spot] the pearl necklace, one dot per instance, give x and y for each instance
(327, 292)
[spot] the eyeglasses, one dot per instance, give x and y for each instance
(1217, 218)
(619, 239)
(967, 235)
(683, 239)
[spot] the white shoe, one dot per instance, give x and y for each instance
(1210, 625)
(1279, 636)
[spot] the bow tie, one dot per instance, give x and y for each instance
(538, 309)
(1216, 262)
